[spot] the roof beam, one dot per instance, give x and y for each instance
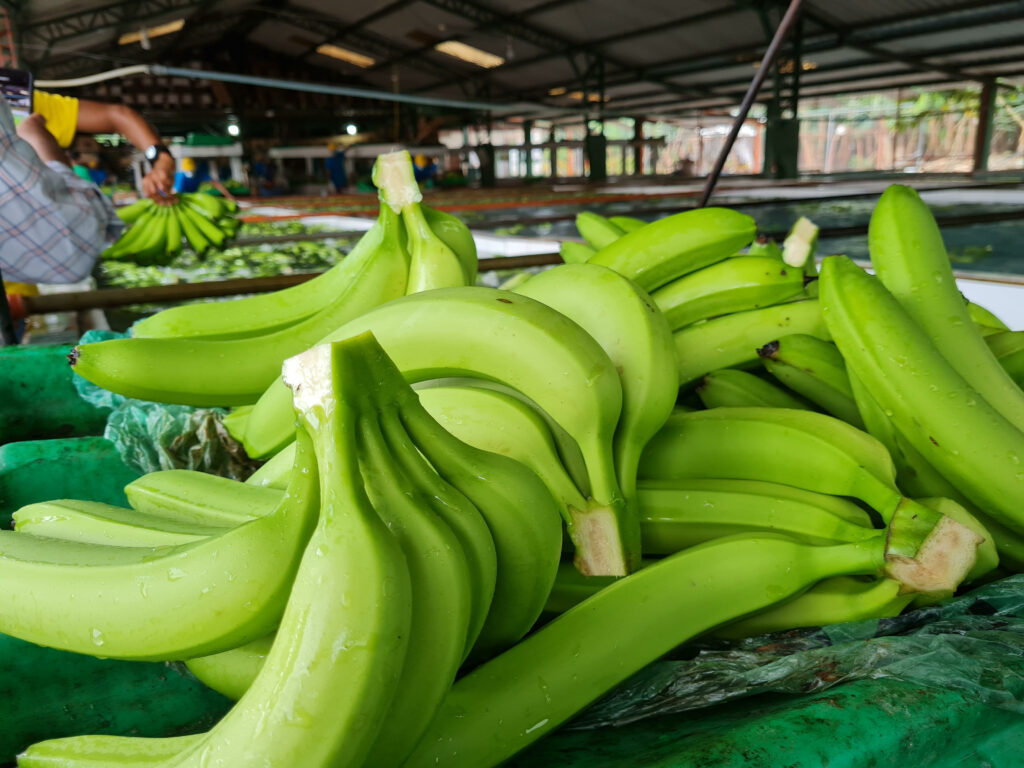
(361, 23)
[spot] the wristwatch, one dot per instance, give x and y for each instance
(153, 152)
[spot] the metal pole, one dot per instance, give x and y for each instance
(983, 137)
(748, 98)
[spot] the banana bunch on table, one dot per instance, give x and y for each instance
(158, 232)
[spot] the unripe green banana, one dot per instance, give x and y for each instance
(521, 514)
(730, 388)
(91, 522)
(799, 448)
(131, 213)
(500, 336)
(985, 319)
(815, 369)
(764, 246)
(499, 708)
(199, 220)
(627, 223)
(732, 285)
(156, 603)
(1008, 347)
(910, 260)
(456, 236)
(930, 404)
(597, 230)
(195, 237)
(695, 511)
(725, 342)
(262, 313)
(232, 672)
(200, 499)
(676, 245)
(236, 371)
(497, 422)
(832, 601)
(575, 253)
(432, 264)
(101, 751)
(632, 330)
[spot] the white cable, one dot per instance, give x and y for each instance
(99, 77)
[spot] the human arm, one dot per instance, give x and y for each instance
(53, 225)
(219, 186)
(97, 117)
(33, 130)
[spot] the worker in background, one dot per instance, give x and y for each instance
(66, 116)
(53, 224)
(188, 180)
(335, 167)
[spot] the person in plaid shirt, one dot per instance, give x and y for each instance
(53, 224)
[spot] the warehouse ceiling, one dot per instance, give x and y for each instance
(655, 57)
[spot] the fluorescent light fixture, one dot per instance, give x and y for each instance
(351, 130)
(151, 32)
(556, 91)
(470, 54)
(344, 54)
(233, 129)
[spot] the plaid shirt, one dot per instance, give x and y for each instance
(53, 224)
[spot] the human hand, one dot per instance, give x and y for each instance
(159, 182)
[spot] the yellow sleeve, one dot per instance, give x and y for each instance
(61, 113)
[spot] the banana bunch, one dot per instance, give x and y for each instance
(156, 231)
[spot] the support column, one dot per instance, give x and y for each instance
(638, 146)
(528, 147)
(983, 136)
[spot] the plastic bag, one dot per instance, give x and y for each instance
(154, 436)
(973, 643)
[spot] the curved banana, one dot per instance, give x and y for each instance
(266, 312)
(732, 285)
(497, 422)
(1008, 347)
(597, 230)
(91, 522)
(199, 499)
(232, 672)
(984, 318)
(799, 448)
(432, 264)
(456, 236)
(520, 512)
(575, 253)
(502, 336)
(695, 511)
(631, 329)
(832, 601)
(910, 259)
(815, 369)
(101, 751)
(731, 388)
(724, 342)
(931, 405)
(236, 371)
(678, 244)
(499, 708)
(156, 603)
(627, 223)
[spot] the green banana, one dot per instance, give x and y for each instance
(632, 330)
(103, 751)
(575, 253)
(627, 223)
(511, 701)
(732, 340)
(832, 601)
(155, 602)
(984, 318)
(194, 236)
(457, 237)
(910, 260)
(730, 388)
(1008, 348)
(237, 371)
(597, 230)
(207, 228)
(732, 285)
(91, 522)
(232, 672)
(497, 422)
(764, 246)
(197, 498)
(131, 213)
(814, 369)
(432, 264)
(929, 403)
(800, 448)
(262, 313)
(332, 675)
(694, 511)
(500, 336)
(173, 243)
(520, 512)
(677, 245)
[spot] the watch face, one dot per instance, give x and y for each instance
(151, 153)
